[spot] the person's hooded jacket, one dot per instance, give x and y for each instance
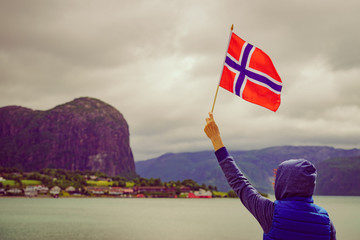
(293, 215)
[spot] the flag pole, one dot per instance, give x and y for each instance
(217, 89)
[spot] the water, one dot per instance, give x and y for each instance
(137, 219)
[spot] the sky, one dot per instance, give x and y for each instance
(159, 62)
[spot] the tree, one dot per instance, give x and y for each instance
(177, 190)
(100, 174)
(46, 180)
(122, 183)
(35, 176)
(136, 182)
(232, 194)
(158, 182)
(191, 184)
(119, 178)
(144, 182)
(19, 183)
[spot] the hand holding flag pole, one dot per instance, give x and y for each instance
(249, 73)
(212, 131)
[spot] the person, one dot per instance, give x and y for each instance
(293, 215)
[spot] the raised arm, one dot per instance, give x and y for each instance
(261, 208)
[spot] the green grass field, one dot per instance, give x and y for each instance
(99, 183)
(220, 194)
(129, 184)
(31, 182)
(12, 183)
(107, 184)
(9, 183)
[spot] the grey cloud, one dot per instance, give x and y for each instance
(159, 63)
(86, 35)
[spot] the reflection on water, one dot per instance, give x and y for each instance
(136, 219)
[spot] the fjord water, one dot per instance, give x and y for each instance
(137, 219)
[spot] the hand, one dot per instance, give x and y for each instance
(213, 133)
(211, 129)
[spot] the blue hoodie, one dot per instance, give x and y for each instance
(289, 174)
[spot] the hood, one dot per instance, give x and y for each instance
(295, 178)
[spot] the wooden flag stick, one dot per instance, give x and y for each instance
(217, 89)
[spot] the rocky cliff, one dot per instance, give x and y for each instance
(84, 134)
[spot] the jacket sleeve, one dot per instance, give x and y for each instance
(260, 207)
(333, 231)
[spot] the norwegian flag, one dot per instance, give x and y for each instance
(249, 73)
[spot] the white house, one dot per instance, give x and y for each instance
(30, 191)
(55, 190)
(70, 189)
(14, 191)
(42, 189)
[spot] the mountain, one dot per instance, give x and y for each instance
(339, 176)
(257, 165)
(84, 134)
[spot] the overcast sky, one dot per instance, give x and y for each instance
(159, 62)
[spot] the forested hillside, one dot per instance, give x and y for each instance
(258, 166)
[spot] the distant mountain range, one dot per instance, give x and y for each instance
(84, 134)
(338, 169)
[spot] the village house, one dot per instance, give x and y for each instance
(14, 191)
(111, 191)
(200, 194)
(184, 189)
(30, 191)
(116, 191)
(73, 191)
(41, 189)
(55, 191)
(128, 191)
(70, 189)
(149, 189)
(92, 177)
(104, 179)
(156, 191)
(120, 191)
(97, 190)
